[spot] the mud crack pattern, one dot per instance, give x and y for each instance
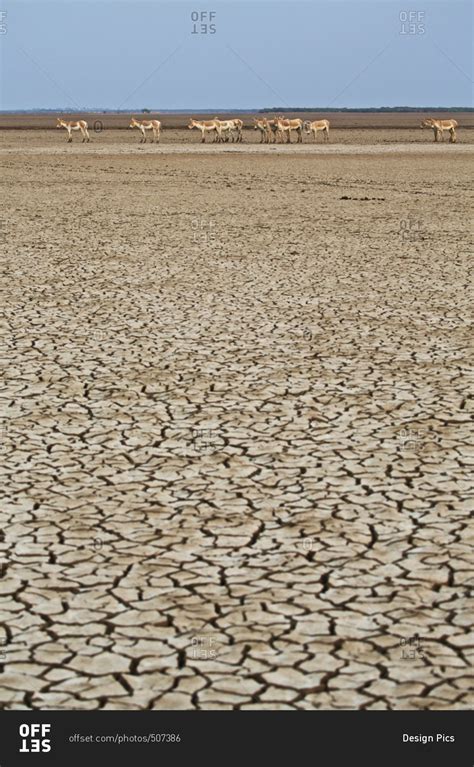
(236, 433)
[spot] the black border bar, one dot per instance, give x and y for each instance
(319, 738)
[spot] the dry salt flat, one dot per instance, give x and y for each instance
(163, 148)
(236, 428)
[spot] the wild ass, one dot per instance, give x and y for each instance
(206, 126)
(317, 125)
(286, 126)
(74, 125)
(144, 125)
(229, 128)
(439, 126)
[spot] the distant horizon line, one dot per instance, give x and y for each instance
(146, 110)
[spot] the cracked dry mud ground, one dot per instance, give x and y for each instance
(236, 433)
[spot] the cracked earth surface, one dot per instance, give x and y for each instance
(236, 433)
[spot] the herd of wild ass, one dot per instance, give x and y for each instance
(276, 129)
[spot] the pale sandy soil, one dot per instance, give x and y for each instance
(123, 148)
(236, 425)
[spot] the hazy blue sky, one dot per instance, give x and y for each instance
(82, 54)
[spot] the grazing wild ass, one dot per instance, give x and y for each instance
(439, 126)
(259, 123)
(317, 125)
(269, 131)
